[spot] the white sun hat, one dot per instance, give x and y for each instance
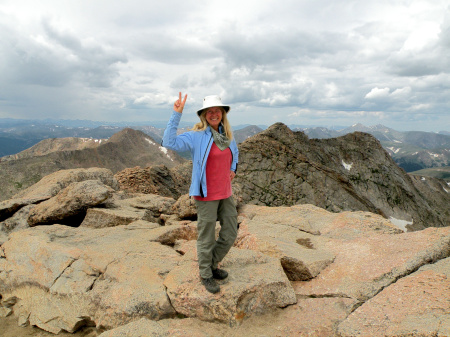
(210, 101)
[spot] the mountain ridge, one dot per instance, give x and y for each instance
(127, 148)
(347, 173)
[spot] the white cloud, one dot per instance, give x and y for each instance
(377, 93)
(333, 61)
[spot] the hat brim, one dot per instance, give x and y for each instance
(225, 107)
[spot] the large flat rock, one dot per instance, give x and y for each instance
(364, 266)
(171, 327)
(366, 277)
(416, 305)
(80, 275)
(256, 284)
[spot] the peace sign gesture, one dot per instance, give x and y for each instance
(178, 106)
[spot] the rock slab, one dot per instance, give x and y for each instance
(256, 285)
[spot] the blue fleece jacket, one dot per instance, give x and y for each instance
(199, 144)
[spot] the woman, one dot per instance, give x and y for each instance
(214, 162)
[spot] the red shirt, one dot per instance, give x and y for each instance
(218, 181)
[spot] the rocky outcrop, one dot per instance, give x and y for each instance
(343, 274)
(435, 191)
(63, 197)
(156, 180)
(11, 206)
(280, 167)
(16, 222)
(277, 167)
(51, 185)
(70, 204)
(350, 173)
(88, 198)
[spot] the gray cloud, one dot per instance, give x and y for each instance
(298, 62)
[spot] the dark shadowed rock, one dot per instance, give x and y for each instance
(15, 212)
(350, 173)
(124, 210)
(70, 203)
(157, 179)
(11, 206)
(17, 222)
(185, 207)
(436, 192)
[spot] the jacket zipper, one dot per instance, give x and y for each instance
(203, 160)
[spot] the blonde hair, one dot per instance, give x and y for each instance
(203, 124)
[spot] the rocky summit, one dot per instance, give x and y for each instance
(320, 252)
(350, 173)
(78, 252)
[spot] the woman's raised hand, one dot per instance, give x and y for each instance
(178, 106)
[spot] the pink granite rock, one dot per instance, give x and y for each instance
(416, 305)
(256, 284)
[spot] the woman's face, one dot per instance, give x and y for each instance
(214, 117)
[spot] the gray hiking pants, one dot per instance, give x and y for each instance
(209, 251)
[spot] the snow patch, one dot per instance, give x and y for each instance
(435, 155)
(393, 149)
(347, 166)
(150, 141)
(161, 148)
(91, 140)
(164, 150)
(400, 223)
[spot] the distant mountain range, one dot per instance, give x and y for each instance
(126, 148)
(278, 167)
(411, 150)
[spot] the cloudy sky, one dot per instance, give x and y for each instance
(304, 62)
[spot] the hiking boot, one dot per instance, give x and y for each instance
(219, 274)
(211, 285)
